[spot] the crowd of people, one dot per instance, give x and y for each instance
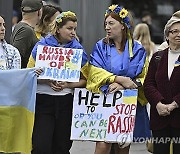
(117, 61)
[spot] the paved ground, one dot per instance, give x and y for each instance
(86, 147)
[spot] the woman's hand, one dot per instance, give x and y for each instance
(59, 85)
(38, 71)
(162, 109)
(55, 85)
(63, 84)
(126, 82)
(172, 106)
(113, 87)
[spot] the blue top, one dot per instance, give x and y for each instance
(107, 57)
(106, 62)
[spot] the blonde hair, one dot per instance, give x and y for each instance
(48, 11)
(61, 20)
(142, 34)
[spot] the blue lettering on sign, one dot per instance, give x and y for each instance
(55, 73)
(49, 72)
(72, 74)
(67, 73)
(61, 74)
(76, 57)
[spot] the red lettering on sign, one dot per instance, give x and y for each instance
(41, 56)
(121, 125)
(45, 48)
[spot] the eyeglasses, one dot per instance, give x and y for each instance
(174, 31)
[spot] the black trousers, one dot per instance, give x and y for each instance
(162, 141)
(52, 128)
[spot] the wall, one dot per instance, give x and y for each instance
(90, 14)
(6, 7)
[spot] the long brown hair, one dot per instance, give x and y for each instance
(47, 12)
(125, 31)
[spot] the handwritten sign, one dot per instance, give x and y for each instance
(61, 64)
(97, 117)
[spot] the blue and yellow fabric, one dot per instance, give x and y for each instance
(177, 63)
(130, 96)
(106, 63)
(17, 107)
(50, 40)
(38, 35)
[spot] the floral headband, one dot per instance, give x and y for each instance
(64, 15)
(122, 12)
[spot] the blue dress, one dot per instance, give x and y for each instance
(111, 63)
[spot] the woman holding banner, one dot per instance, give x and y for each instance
(55, 98)
(116, 62)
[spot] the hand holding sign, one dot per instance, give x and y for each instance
(60, 64)
(59, 85)
(63, 84)
(55, 86)
(113, 87)
(126, 82)
(38, 71)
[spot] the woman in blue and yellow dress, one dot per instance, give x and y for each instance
(115, 62)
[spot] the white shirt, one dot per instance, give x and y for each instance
(46, 89)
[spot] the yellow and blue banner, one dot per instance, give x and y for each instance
(17, 107)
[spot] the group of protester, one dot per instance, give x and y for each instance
(116, 62)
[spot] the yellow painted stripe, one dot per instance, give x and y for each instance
(16, 126)
(130, 100)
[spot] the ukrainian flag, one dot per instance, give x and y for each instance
(130, 96)
(17, 107)
(177, 63)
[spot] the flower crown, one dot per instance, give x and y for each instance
(122, 12)
(64, 15)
